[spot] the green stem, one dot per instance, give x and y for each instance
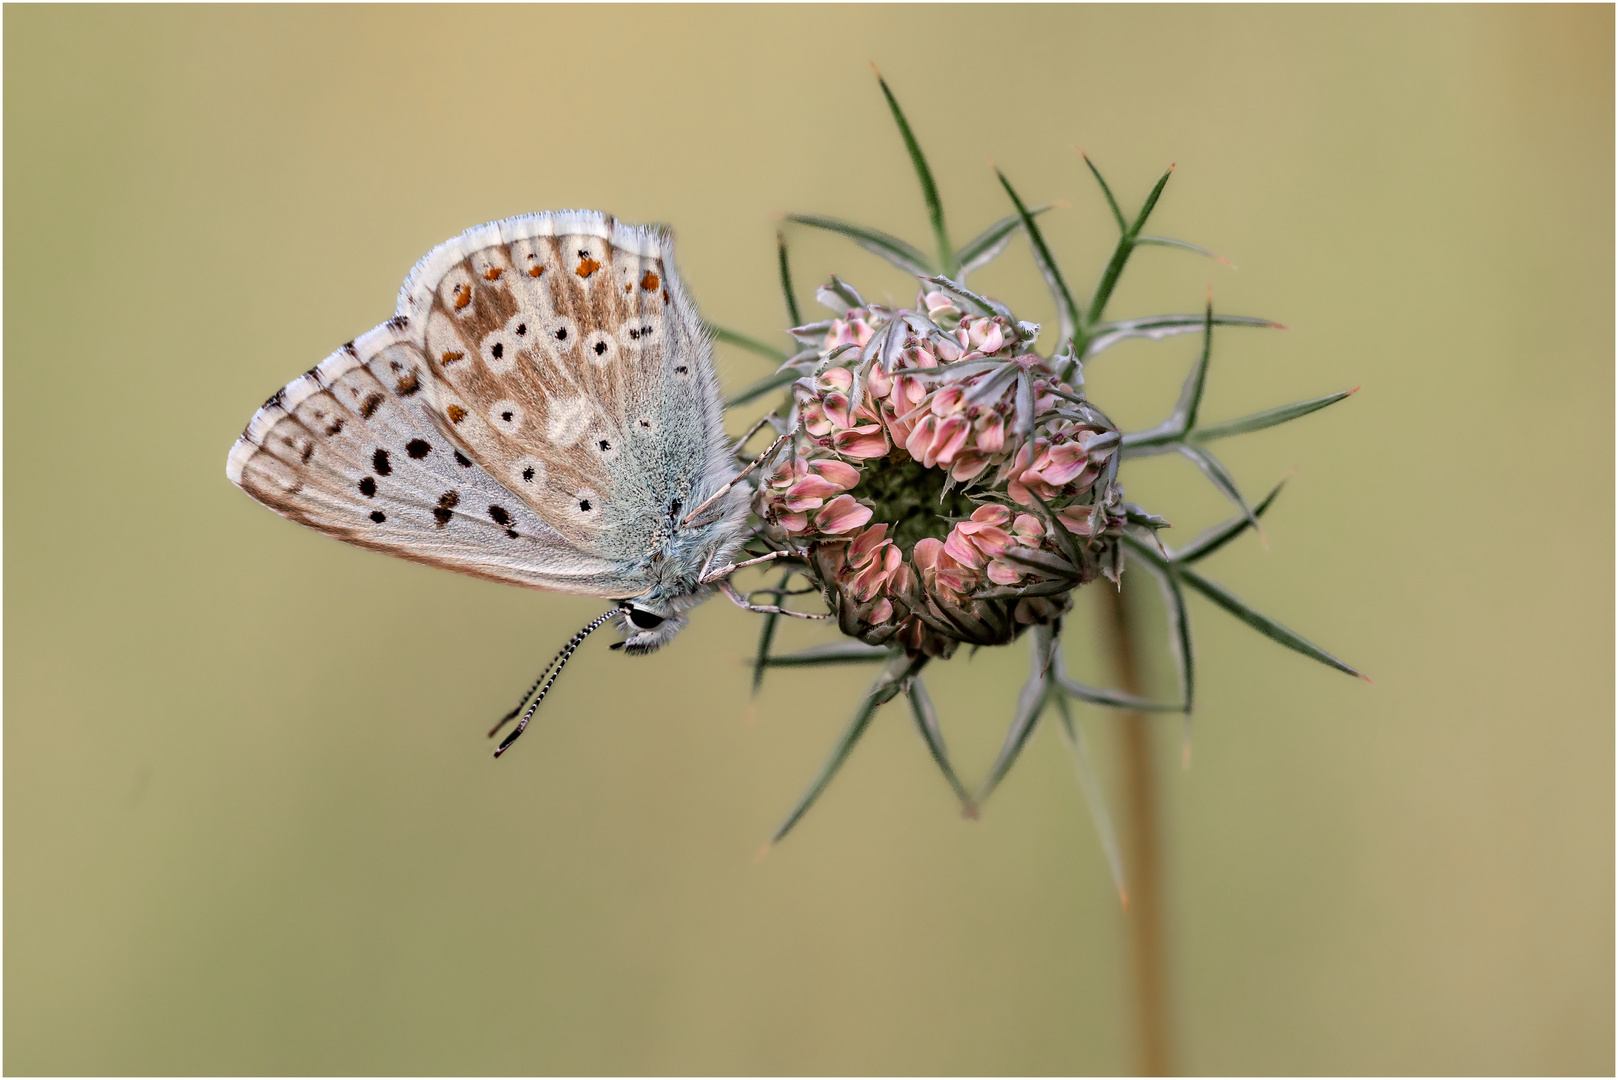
(1147, 950)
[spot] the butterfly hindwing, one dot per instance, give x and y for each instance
(340, 451)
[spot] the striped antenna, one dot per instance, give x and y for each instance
(552, 669)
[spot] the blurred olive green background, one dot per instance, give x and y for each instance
(251, 821)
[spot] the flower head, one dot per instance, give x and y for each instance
(981, 430)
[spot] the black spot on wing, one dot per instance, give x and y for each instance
(418, 448)
(380, 463)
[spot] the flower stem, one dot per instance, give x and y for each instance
(1144, 915)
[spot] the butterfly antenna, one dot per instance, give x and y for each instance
(516, 710)
(553, 669)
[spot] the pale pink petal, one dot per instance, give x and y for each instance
(856, 445)
(1028, 527)
(892, 558)
(1076, 520)
(921, 439)
(959, 582)
(882, 612)
(967, 466)
(991, 540)
(842, 515)
(811, 487)
(867, 583)
(1058, 474)
(865, 543)
(837, 409)
(840, 473)
(815, 421)
(991, 437)
(1003, 573)
(960, 549)
(951, 437)
(925, 553)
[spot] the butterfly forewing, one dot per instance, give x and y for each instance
(538, 412)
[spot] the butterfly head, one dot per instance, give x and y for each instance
(649, 622)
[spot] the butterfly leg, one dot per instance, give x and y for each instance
(765, 609)
(741, 443)
(554, 668)
(722, 492)
(726, 571)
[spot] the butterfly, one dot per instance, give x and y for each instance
(542, 410)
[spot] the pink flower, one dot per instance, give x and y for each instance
(947, 432)
(794, 487)
(841, 515)
(941, 574)
(940, 308)
(853, 429)
(853, 329)
(871, 563)
(1058, 465)
(982, 542)
(1081, 520)
(984, 336)
(1027, 531)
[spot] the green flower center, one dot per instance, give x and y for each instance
(910, 499)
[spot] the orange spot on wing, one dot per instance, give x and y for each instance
(463, 296)
(450, 357)
(456, 414)
(649, 282)
(492, 273)
(535, 271)
(587, 266)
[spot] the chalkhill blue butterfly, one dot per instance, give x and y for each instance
(541, 410)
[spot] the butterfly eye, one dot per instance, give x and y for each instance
(644, 619)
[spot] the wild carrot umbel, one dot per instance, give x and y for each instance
(945, 483)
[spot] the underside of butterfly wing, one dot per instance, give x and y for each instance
(342, 451)
(541, 411)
